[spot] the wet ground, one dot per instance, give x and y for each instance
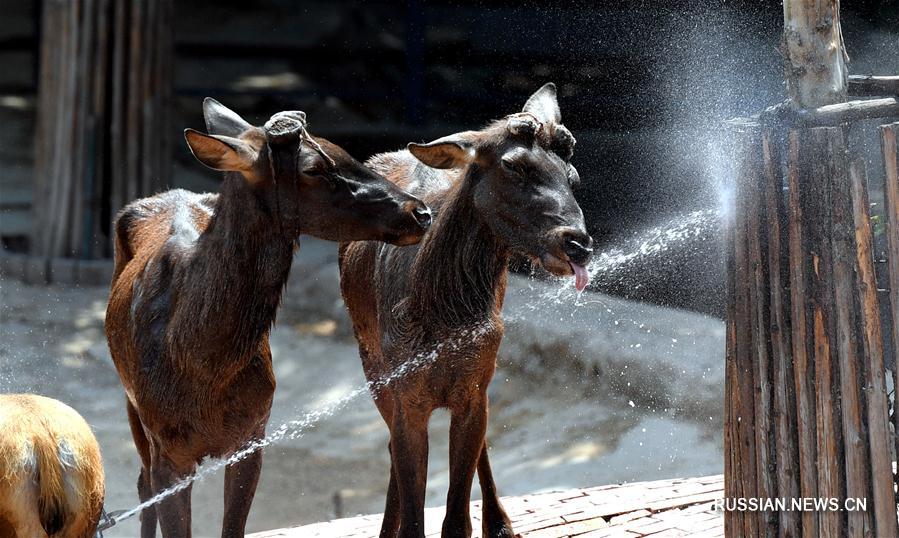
(607, 391)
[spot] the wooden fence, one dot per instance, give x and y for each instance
(807, 410)
(102, 133)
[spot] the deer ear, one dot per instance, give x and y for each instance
(544, 105)
(221, 120)
(453, 151)
(221, 153)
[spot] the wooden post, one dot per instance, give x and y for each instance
(103, 110)
(786, 451)
(802, 367)
(814, 54)
(741, 363)
(804, 329)
(888, 139)
(816, 75)
(806, 413)
(872, 363)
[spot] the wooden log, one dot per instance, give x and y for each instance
(874, 374)
(888, 140)
(117, 151)
(44, 132)
(848, 348)
(814, 54)
(135, 183)
(98, 217)
(818, 147)
(784, 402)
(837, 114)
(758, 293)
(733, 520)
(60, 210)
(76, 237)
(741, 399)
(803, 368)
(871, 85)
(788, 115)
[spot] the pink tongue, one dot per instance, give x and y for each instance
(581, 277)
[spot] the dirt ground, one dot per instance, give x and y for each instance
(566, 407)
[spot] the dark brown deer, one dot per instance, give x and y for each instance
(502, 190)
(197, 282)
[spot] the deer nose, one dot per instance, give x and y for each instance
(578, 246)
(422, 216)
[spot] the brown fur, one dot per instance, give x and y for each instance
(197, 283)
(443, 297)
(51, 473)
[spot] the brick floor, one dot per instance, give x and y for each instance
(678, 507)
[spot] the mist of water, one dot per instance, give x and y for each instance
(654, 242)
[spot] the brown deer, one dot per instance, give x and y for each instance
(501, 190)
(51, 473)
(197, 282)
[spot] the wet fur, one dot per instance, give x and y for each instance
(51, 473)
(197, 282)
(405, 301)
(443, 298)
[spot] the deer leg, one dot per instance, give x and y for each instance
(173, 511)
(391, 521)
(468, 427)
(241, 479)
(409, 455)
(20, 516)
(144, 486)
(495, 522)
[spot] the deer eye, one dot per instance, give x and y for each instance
(316, 172)
(321, 175)
(512, 164)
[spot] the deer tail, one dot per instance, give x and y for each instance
(52, 495)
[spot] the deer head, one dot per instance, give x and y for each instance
(312, 185)
(521, 180)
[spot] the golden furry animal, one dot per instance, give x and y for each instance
(51, 474)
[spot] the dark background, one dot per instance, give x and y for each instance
(643, 85)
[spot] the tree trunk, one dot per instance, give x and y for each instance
(814, 55)
(103, 116)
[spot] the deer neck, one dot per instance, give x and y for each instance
(459, 275)
(238, 271)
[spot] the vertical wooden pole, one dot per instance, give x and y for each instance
(740, 403)
(733, 520)
(784, 393)
(802, 366)
(814, 54)
(849, 345)
(873, 381)
(757, 254)
(817, 147)
(888, 140)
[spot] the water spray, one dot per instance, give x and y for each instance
(295, 429)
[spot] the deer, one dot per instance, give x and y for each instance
(51, 470)
(505, 189)
(197, 281)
